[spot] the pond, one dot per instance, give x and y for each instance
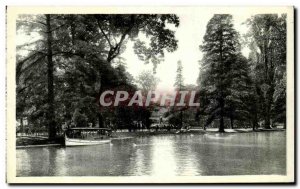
(162, 155)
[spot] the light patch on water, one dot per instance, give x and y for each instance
(60, 161)
(163, 160)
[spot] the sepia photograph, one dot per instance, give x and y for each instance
(150, 94)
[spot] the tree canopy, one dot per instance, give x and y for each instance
(75, 57)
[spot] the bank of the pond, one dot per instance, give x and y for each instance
(35, 141)
(31, 141)
(191, 131)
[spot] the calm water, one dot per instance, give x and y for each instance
(187, 154)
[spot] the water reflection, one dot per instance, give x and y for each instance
(186, 159)
(163, 155)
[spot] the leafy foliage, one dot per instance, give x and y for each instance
(147, 81)
(247, 90)
(266, 38)
(74, 58)
(224, 80)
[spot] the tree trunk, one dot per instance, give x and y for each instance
(50, 70)
(100, 120)
(269, 78)
(181, 119)
(269, 101)
(254, 117)
(221, 127)
(254, 122)
(267, 124)
(231, 122)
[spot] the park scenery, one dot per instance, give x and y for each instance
(197, 94)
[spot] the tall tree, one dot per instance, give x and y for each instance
(31, 65)
(179, 80)
(267, 38)
(179, 85)
(50, 70)
(221, 47)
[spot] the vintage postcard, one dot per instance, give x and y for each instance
(150, 95)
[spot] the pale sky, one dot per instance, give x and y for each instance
(190, 35)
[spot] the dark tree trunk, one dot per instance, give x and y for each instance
(268, 104)
(254, 122)
(254, 116)
(221, 127)
(269, 78)
(100, 120)
(181, 119)
(50, 70)
(231, 122)
(267, 124)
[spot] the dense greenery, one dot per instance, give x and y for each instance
(62, 73)
(232, 87)
(72, 59)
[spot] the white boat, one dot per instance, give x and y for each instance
(87, 136)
